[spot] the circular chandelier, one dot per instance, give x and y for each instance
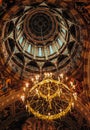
(49, 98)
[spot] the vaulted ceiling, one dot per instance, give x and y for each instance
(38, 36)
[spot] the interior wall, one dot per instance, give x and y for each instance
(88, 70)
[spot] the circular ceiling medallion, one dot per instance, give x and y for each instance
(40, 26)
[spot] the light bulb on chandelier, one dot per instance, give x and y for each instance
(49, 98)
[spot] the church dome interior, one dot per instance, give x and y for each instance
(45, 64)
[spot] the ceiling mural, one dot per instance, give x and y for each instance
(40, 38)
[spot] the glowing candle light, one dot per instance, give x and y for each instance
(23, 98)
(75, 95)
(61, 75)
(27, 85)
(24, 88)
(49, 114)
(71, 83)
(72, 104)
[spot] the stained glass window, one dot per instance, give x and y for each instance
(40, 51)
(29, 48)
(60, 42)
(51, 50)
(21, 40)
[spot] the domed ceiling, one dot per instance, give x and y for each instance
(40, 36)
